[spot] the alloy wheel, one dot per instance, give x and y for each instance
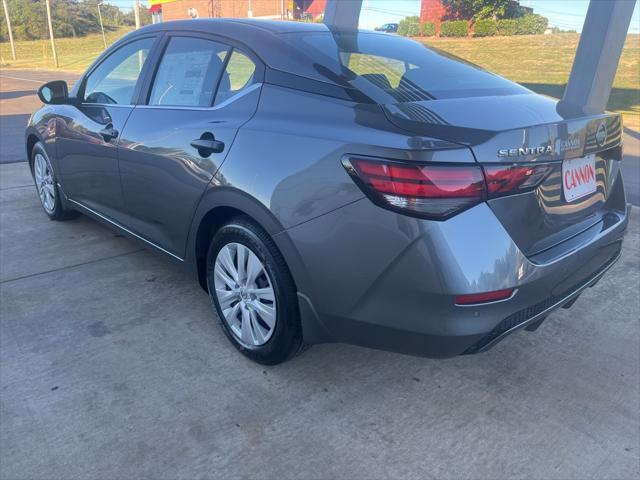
(245, 294)
(44, 182)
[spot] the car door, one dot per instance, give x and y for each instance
(202, 91)
(87, 138)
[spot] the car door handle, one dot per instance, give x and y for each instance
(109, 133)
(207, 146)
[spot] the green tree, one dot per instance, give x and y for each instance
(479, 9)
(70, 18)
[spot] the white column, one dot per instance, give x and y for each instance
(342, 13)
(598, 54)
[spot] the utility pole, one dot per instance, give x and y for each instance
(104, 40)
(6, 15)
(53, 43)
(136, 12)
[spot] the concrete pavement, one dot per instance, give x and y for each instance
(112, 364)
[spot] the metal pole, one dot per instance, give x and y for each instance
(250, 11)
(136, 12)
(53, 43)
(104, 40)
(596, 61)
(6, 15)
(281, 9)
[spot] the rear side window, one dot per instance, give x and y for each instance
(239, 75)
(188, 73)
(114, 80)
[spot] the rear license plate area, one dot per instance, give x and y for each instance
(579, 177)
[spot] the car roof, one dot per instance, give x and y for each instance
(237, 26)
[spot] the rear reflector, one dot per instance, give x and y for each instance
(509, 179)
(486, 297)
(429, 191)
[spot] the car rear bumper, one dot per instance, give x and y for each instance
(382, 280)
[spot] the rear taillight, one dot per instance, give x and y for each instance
(510, 179)
(437, 191)
(429, 191)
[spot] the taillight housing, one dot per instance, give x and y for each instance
(438, 191)
(433, 191)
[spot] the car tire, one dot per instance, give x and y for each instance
(46, 184)
(253, 293)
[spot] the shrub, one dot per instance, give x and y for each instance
(532, 25)
(428, 29)
(414, 30)
(454, 28)
(507, 26)
(409, 27)
(485, 28)
(528, 25)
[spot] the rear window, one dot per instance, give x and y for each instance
(392, 69)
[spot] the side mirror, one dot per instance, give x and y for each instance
(54, 93)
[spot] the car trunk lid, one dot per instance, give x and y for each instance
(582, 153)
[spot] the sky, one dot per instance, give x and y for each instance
(566, 14)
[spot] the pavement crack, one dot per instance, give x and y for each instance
(67, 267)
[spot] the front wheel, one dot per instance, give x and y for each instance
(45, 180)
(253, 293)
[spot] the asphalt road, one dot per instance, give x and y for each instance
(18, 100)
(112, 365)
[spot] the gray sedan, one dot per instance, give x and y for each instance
(336, 186)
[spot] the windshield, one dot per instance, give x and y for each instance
(393, 69)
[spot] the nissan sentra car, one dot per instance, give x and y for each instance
(336, 185)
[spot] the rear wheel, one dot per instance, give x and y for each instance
(253, 293)
(46, 185)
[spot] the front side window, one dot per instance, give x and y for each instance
(188, 73)
(114, 80)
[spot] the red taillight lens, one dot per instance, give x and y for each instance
(438, 192)
(509, 179)
(429, 191)
(486, 297)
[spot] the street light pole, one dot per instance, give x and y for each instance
(6, 15)
(53, 43)
(104, 40)
(136, 12)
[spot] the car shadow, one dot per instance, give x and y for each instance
(12, 140)
(16, 94)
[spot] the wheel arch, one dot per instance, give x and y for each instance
(221, 204)
(30, 142)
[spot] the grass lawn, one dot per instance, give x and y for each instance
(74, 54)
(541, 63)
